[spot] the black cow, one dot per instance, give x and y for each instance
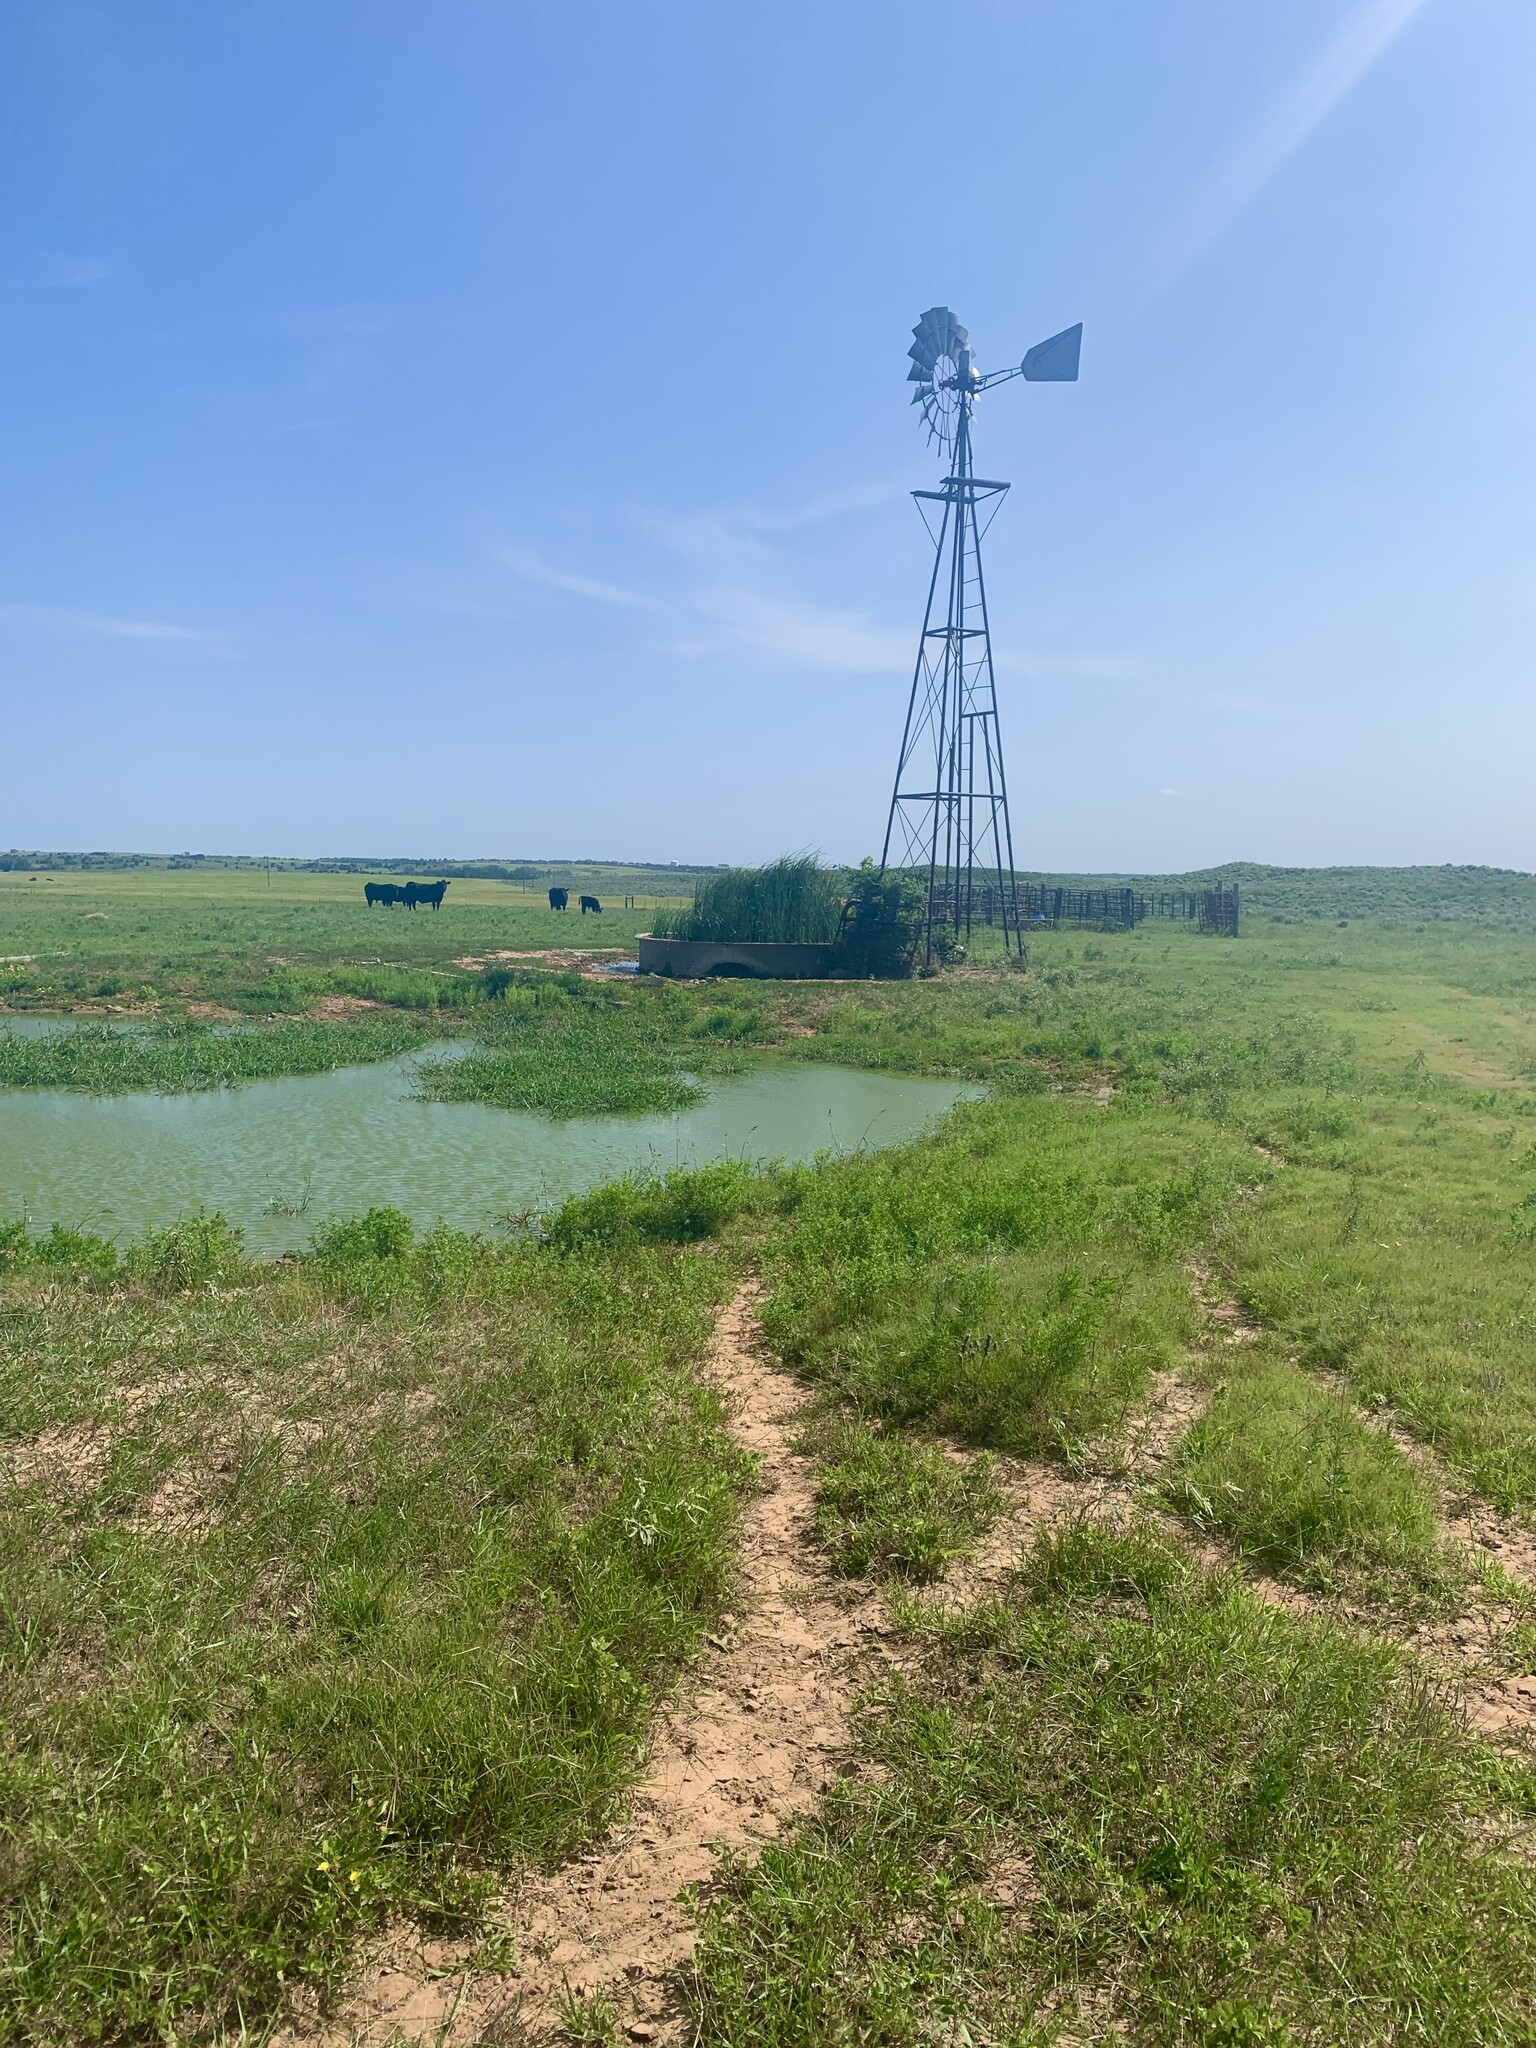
(387, 893)
(590, 903)
(559, 898)
(424, 892)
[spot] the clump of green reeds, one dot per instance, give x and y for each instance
(794, 900)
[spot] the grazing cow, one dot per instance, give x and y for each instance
(590, 903)
(387, 893)
(559, 898)
(424, 892)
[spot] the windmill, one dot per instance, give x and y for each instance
(948, 819)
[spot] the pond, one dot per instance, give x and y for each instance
(339, 1143)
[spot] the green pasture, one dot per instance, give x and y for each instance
(333, 1591)
(165, 937)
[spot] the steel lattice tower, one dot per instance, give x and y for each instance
(948, 821)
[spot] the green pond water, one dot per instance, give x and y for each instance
(119, 1164)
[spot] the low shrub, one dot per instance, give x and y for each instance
(674, 1208)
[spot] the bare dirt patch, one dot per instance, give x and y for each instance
(757, 1741)
(578, 959)
(66, 1457)
(343, 1006)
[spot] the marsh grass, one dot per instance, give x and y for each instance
(567, 1048)
(180, 1058)
(328, 1591)
(1133, 1798)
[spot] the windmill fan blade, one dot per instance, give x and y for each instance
(1055, 361)
(922, 356)
(918, 374)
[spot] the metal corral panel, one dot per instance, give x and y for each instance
(697, 959)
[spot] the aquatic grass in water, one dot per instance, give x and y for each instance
(569, 1051)
(592, 1070)
(172, 1059)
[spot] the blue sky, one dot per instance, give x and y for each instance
(482, 429)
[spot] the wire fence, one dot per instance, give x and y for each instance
(1108, 909)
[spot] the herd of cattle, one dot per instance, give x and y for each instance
(406, 896)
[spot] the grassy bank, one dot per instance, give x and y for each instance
(328, 1591)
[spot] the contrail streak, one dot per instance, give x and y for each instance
(1370, 29)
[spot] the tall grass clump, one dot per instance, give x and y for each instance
(1005, 1281)
(792, 901)
(891, 1506)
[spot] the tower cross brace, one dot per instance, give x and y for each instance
(948, 821)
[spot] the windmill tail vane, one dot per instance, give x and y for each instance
(948, 820)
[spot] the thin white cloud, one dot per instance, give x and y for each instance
(536, 570)
(1369, 31)
(790, 632)
(828, 505)
(725, 598)
(97, 626)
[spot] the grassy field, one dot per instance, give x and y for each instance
(239, 938)
(333, 1591)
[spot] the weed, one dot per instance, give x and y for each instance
(175, 1058)
(890, 1506)
(1289, 1471)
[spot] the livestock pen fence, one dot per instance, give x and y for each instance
(1112, 908)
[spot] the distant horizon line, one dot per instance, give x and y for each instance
(18, 858)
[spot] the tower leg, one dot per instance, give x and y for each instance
(948, 819)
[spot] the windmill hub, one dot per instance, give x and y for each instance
(949, 819)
